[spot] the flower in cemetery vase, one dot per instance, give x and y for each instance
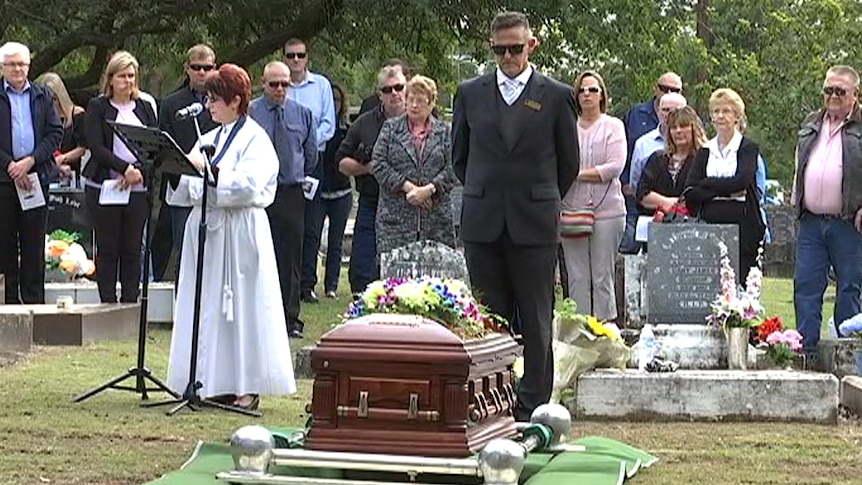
(734, 307)
(447, 301)
(63, 253)
(852, 327)
(782, 346)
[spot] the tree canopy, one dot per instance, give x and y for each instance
(773, 52)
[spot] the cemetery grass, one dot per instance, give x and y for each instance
(109, 440)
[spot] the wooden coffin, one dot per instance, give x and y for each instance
(403, 384)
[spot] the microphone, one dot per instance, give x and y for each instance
(189, 111)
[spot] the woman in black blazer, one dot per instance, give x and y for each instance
(119, 228)
(721, 184)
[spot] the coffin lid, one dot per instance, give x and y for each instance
(407, 338)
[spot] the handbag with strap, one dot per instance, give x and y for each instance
(577, 223)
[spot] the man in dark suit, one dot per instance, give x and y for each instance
(515, 149)
(30, 132)
(168, 235)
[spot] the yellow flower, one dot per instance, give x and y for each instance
(600, 330)
(518, 368)
(372, 293)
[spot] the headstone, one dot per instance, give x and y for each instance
(2, 288)
(683, 270)
(16, 334)
(779, 256)
(67, 210)
(423, 258)
(79, 324)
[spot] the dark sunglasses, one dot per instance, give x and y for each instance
(664, 88)
(830, 90)
(513, 49)
(591, 89)
(298, 55)
(275, 84)
(389, 89)
(201, 67)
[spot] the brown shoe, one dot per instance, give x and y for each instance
(248, 401)
(223, 398)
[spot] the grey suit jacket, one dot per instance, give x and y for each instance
(394, 162)
(514, 186)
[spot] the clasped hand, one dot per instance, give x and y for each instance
(19, 172)
(420, 196)
(132, 176)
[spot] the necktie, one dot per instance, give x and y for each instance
(278, 127)
(510, 91)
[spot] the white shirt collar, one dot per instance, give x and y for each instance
(731, 147)
(521, 79)
(226, 128)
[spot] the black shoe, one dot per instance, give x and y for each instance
(308, 297)
(294, 333)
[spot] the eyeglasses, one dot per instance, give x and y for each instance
(276, 84)
(590, 89)
(830, 90)
(201, 67)
(514, 49)
(296, 55)
(664, 88)
(19, 65)
(388, 89)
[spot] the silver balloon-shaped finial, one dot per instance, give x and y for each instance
(558, 418)
(251, 448)
(501, 462)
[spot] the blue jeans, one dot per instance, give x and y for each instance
(363, 254)
(628, 244)
(337, 210)
(823, 241)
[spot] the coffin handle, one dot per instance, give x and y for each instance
(362, 408)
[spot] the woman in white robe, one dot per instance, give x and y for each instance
(243, 348)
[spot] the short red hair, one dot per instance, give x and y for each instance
(229, 82)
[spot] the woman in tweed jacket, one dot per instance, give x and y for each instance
(413, 165)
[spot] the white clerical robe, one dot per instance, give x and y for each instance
(243, 346)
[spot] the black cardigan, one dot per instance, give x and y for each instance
(702, 189)
(100, 137)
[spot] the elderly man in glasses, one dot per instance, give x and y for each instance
(168, 234)
(291, 128)
(639, 120)
(828, 199)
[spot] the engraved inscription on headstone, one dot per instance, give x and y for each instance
(683, 270)
(423, 258)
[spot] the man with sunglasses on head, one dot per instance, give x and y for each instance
(353, 157)
(315, 92)
(639, 120)
(291, 128)
(515, 150)
(828, 199)
(169, 230)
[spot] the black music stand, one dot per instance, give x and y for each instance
(172, 160)
(148, 145)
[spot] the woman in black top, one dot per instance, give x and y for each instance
(721, 184)
(336, 195)
(73, 143)
(666, 172)
(119, 228)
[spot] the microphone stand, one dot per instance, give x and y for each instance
(190, 398)
(140, 372)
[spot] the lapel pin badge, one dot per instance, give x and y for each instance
(533, 104)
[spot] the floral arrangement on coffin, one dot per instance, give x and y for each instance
(63, 253)
(781, 345)
(735, 307)
(446, 301)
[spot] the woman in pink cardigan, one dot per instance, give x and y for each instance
(590, 259)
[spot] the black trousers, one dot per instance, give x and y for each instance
(119, 234)
(751, 229)
(517, 281)
(22, 233)
(287, 223)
